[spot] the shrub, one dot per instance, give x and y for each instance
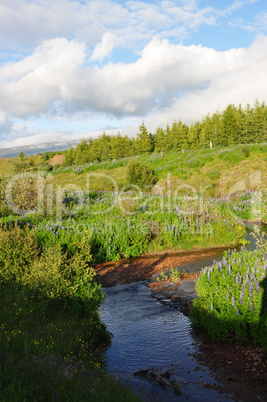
(59, 276)
(232, 298)
(213, 174)
(18, 249)
(245, 150)
(140, 174)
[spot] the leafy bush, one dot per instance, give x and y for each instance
(232, 301)
(18, 249)
(53, 273)
(213, 174)
(245, 150)
(232, 156)
(140, 174)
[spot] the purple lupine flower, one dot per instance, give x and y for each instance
(251, 290)
(227, 297)
(208, 276)
(240, 263)
(257, 287)
(233, 301)
(237, 311)
(241, 297)
(251, 307)
(253, 274)
(229, 270)
(211, 307)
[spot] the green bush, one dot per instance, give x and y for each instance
(232, 301)
(213, 174)
(58, 275)
(232, 156)
(245, 150)
(140, 174)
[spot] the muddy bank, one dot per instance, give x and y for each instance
(143, 268)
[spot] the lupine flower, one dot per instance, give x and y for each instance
(251, 307)
(257, 287)
(237, 311)
(251, 290)
(233, 301)
(241, 297)
(211, 307)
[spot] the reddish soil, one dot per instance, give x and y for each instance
(142, 268)
(56, 160)
(240, 368)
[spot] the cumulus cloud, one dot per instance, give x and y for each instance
(55, 72)
(104, 48)
(26, 23)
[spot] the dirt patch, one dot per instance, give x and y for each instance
(143, 268)
(241, 368)
(56, 160)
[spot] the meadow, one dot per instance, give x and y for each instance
(57, 222)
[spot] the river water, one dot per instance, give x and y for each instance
(148, 334)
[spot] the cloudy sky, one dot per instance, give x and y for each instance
(72, 69)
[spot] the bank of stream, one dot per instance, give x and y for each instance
(154, 347)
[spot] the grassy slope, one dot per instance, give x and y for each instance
(247, 174)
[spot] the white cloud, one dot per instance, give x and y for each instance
(26, 23)
(104, 48)
(55, 72)
(31, 85)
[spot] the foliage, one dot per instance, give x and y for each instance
(174, 275)
(232, 298)
(60, 275)
(52, 354)
(232, 126)
(23, 164)
(213, 174)
(140, 174)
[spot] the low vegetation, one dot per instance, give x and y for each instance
(232, 303)
(51, 335)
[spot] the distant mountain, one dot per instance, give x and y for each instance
(35, 149)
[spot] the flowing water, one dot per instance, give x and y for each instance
(149, 334)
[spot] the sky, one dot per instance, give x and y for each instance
(73, 69)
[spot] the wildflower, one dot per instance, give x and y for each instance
(251, 290)
(257, 286)
(233, 301)
(211, 307)
(237, 311)
(251, 307)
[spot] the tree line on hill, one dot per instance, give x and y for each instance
(235, 125)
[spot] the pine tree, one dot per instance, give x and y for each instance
(143, 142)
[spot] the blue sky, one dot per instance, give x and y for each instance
(73, 69)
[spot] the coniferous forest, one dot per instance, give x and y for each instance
(234, 125)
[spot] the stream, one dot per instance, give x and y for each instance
(148, 334)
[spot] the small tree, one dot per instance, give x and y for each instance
(140, 174)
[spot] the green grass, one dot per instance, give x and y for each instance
(51, 355)
(220, 167)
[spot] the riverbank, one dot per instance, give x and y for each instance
(129, 270)
(240, 367)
